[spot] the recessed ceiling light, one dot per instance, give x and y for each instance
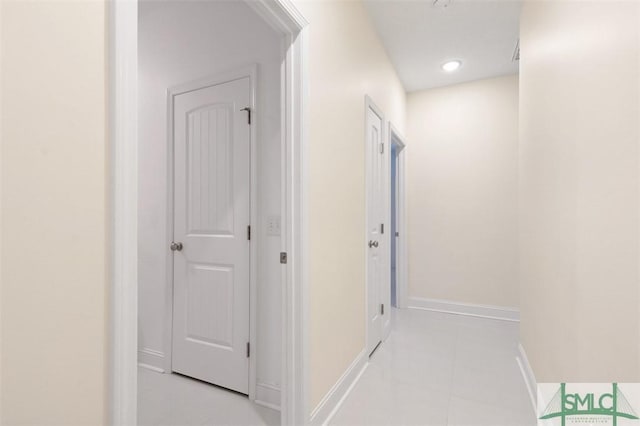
(451, 66)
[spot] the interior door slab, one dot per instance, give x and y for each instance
(375, 220)
(211, 214)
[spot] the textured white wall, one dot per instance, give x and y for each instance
(579, 190)
(55, 222)
(180, 42)
(462, 192)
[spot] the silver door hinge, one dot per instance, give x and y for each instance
(382, 148)
(249, 232)
(283, 258)
(248, 114)
(382, 228)
(382, 309)
(248, 349)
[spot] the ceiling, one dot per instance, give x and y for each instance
(420, 36)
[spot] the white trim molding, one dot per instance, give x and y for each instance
(330, 404)
(469, 309)
(151, 359)
(527, 375)
(123, 126)
(268, 396)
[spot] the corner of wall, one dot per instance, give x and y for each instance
(527, 375)
(329, 405)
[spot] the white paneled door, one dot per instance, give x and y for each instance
(378, 290)
(211, 240)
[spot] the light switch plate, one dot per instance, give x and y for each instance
(273, 225)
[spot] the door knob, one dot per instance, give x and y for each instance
(176, 246)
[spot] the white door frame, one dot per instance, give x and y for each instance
(395, 138)
(370, 105)
(252, 73)
(283, 16)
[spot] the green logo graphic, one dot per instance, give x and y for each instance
(614, 405)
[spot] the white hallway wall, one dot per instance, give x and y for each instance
(346, 62)
(462, 188)
(55, 215)
(178, 43)
(579, 190)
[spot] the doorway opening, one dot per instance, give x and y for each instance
(190, 178)
(398, 234)
(209, 143)
(215, 141)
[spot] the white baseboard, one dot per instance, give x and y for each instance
(151, 359)
(268, 396)
(450, 307)
(527, 375)
(332, 401)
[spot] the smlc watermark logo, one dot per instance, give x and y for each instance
(588, 404)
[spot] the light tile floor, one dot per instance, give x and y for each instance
(174, 400)
(434, 369)
(441, 369)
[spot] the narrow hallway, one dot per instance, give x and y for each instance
(441, 369)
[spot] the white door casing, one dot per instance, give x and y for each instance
(376, 285)
(212, 193)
